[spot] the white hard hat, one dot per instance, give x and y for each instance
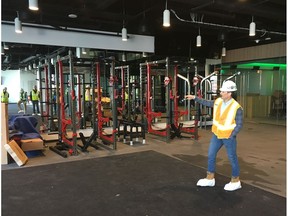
(228, 86)
(87, 86)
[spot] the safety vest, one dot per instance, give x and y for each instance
(88, 95)
(35, 95)
(23, 96)
(4, 97)
(224, 124)
(126, 96)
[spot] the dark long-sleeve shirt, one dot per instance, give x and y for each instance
(238, 117)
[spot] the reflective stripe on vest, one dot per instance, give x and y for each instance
(224, 124)
(4, 97)
(35, 95)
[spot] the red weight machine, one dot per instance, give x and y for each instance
(107, 135)
(171, 128)
(65, 143)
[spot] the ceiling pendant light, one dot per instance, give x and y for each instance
(198, 40)
(252, 28)
(18, 24)
(84, 52)
(123, 57)
(6, 47)
(166, 17)
(33, 5)
(124, 34)
(124, 30)
(223, 50)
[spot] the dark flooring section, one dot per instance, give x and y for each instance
(144, 183)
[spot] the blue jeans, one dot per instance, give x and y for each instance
(230, 145)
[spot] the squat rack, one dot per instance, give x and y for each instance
(107, 138)
(65, 143)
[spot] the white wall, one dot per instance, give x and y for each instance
(11, 80)
(27, 80)
(14, 80)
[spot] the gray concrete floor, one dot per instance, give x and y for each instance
(261, 152)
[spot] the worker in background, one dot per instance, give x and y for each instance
(126, 96)
(22, 100)
(54, 100)
(34, 97)
(88, 101)
(227, 122)
(5, 96)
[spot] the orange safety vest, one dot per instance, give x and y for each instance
(224, 124)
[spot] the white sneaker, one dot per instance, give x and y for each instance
(206, 182)
(232, 186)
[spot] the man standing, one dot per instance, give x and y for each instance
(5, 96)
(227, 122)
(22, 99)
(34, 97)
(88, 101)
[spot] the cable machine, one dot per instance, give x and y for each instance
(149, 72)
(208, 88)
(128, 124)
(189, 125)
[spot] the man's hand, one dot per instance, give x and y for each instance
(189, 97)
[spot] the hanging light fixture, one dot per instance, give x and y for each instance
(252, 28)
(6, 47)
(18, 24)
(166, 17)
(198, 40)
(223, 50)
(123, 56)
(124, 30)
(84, 51)
(124, 34)
(33, 5)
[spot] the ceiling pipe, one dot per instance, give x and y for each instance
(223, 26)
(203, 5)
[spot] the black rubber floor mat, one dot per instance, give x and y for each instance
(144, 183)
